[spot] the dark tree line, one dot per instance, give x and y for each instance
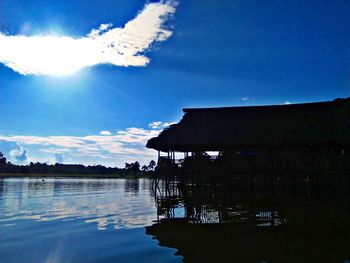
(132, 169)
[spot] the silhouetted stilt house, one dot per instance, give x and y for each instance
(282, 137)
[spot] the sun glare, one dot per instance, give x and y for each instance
(58, 63)
(52, 55)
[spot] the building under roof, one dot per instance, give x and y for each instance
(326, 124)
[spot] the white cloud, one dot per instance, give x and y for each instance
(159, 124)
(54, 150)
(155, 124)
(167, 124)
(19, 155)
(61, 55)
(106, 133)
(125, 146)
(247, 99)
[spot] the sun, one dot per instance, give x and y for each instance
(57, 56)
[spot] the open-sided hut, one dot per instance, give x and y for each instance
(320, 129)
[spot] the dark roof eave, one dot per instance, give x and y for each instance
(186, 110)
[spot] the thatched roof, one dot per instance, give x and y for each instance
(215, 129)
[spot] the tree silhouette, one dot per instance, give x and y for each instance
(2, 159)
(73, 169)
(144, 168)
(133, 168)
(151, 165)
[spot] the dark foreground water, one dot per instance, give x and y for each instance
(117, 220)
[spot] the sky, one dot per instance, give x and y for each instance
(91, 81)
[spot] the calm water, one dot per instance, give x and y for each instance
(117, 220)
(78, 220)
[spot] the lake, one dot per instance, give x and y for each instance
(78, 220)
(124, 220)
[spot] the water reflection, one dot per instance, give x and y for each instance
(60, 220)
(132, 186)
(106, 202)
(220, 225)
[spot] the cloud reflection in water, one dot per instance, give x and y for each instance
(107, 202)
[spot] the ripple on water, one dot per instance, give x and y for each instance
(101, 201)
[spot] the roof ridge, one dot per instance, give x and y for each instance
(267, 106)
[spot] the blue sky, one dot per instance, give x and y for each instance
(220, 53)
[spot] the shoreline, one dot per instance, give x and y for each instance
(73, 176)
